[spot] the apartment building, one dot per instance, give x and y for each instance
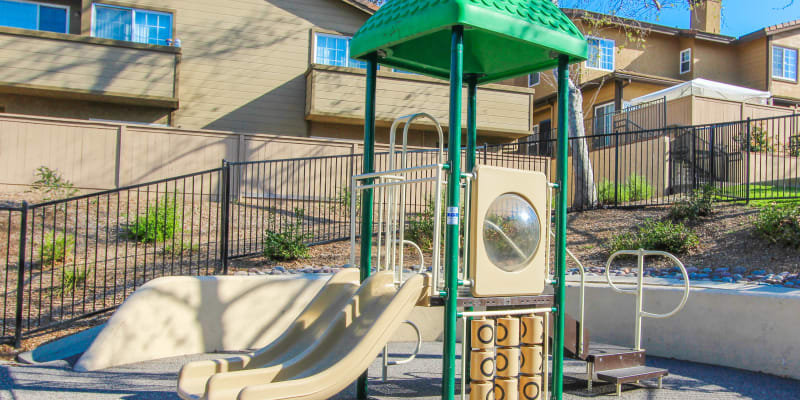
(277, 67)
(620, 69)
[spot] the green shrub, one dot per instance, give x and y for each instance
(56, 248)
(71, 278)
(289, 242)
(794, 146)
(699, 204)
(759, 140)
(159, 223)
(53, 185)
(420, 226)
(779, 223)
(342, 201)
(656, 235)
(635, 188)
(180, 248)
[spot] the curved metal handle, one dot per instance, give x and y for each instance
(387, 363)
(608, 269)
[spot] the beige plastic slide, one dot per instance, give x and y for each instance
(305, 362)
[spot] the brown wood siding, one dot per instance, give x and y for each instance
(336, 95)
(715, 61)
(753, 64)
(71, 65)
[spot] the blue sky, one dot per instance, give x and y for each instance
(739, 17)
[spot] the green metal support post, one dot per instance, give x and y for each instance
(561, 226)
(366, 197)
(472, 138)
(451, 233)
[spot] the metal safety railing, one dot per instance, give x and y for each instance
(639, 291)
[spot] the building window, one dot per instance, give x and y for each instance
(335, 50)
(686, 61)
(533, 79)
(603, 124)
(131, 24)
(784, 63)
(35, 16)
(601, 54)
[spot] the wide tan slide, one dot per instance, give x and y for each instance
(330, 344)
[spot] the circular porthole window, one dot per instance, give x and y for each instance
(511, 232)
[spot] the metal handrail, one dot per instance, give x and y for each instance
(581, 297)
(639, 291)
(388, 363)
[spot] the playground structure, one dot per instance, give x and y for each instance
(501, 264)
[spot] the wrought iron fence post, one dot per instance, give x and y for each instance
(485, 146)
(23, 235)
(747, 165)
(225, 222)
(713, 162)
(616, 167)
(694, 158)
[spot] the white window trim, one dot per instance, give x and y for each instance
(47, 5)
(607, 139)
(133, 21)
(772, 67)
(537, 80)
(680, 61)
(333, 35)
(613, 55)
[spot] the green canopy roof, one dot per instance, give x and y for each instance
(502, 38)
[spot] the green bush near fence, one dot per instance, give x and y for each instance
(159, 223)
(666, 236)
(760, 141)
(71, 278)
(52, 184)
(635, 188)
(56, 247)
(699, 204)
(779, 224)
(288, 242)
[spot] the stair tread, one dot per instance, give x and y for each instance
(602, 349)
(631, 374)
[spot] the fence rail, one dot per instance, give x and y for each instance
(74, 258)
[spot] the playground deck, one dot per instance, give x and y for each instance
(420, 379)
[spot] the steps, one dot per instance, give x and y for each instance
(632, 375)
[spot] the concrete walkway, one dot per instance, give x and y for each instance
(419, 379)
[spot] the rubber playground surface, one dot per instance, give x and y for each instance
(419, 379)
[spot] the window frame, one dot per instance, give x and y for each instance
(38, 13)
(317, 34)
(680, 61)
(784, 49)
(171, 13)
(604, 141)
(600, 61)
(538, 79)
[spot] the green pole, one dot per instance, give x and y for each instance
(561, 227)
(451, 233)
(472, 138)
(366, 197)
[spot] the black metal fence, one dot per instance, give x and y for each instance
(79, 257)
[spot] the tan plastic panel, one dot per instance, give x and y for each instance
(489, 280)
(331, 361)
(309, 325)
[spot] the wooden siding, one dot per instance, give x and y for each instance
(753, 64)
(336, 95)
(714, 61)
(42, 63)
(780, 87)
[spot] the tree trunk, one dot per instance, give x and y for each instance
(585, 194)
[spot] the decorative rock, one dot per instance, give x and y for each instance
(739, 270)
(759, 272)
(691, 269)
(279, 268)
(721, 270)
(727, 279)
(738, 277)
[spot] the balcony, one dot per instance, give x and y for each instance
(85, 68)
(336, 94)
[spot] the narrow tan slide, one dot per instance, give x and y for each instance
(306, 362)
(303, 332)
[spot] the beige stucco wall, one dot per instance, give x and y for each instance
(750, 328)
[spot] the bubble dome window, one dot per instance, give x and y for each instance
(510, 232)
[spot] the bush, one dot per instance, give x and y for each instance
(794, 146)
(656, 235)
(342, 201)
(53, 185)
(635, 188)
(779, 223)
(71, 279)
(289, 242)
(699, 204)
(759, 140)
(160, 223)
(56, 248)
(420, 226)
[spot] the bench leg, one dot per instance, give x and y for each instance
(660, 379)
(589, 375)
(619, 390)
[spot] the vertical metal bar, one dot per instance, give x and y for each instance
(224, 223)
(561, 227)
(639, 301)
(366, 199)
(747, 164)
(712, 159)
(472, 136)
(453, 193)
(23, 236)
(616, 167)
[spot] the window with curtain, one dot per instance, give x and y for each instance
(601, 54)
(132, 25)
(784, 63)
(35, 16)
(603, 124)
(335, 50)
(686, 61)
